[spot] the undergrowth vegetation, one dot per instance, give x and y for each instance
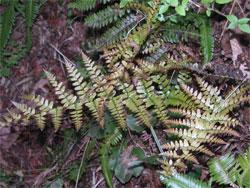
(136, 86)
(11, 51)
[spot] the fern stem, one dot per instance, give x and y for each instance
(157, 141)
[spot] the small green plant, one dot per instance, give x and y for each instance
(242, 23)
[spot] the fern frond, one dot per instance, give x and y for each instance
(196, 136)
(184, 145)
(28, 111)
(185, 181)
(95, 73)
(80, 86)
(31, 7)
(44, 104)
(135, 104)
(117, 110)
(96, 106)
(244, 162)
(104, 17)
(147, 93)
(67, 99)
(7, 20)
(206, 40)
(118, 31)
(83, 4)
(221, 169)
(57, 114)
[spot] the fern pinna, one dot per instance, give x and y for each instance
(134, 30)
(204, 112)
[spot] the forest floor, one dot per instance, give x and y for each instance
(26, 154)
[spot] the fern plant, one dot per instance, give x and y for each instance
(134, 30)
(148, 93)
(8, 56)
(225, 170)
(204, 116)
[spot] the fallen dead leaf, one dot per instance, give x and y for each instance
(236, 49)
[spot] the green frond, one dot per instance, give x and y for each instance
(147, 93)
(83, 4)
(176, 32)
(117, 32)
(104, 17)
(158, 55)
(135, 104)
(117, 110)
(31, 8)
(244, 162)
(6, 21)
(220, 169)
(206, 39)
(185, 181)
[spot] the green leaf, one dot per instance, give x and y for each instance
(232, 18)
(245, 28)
(163, 8)
(180, 10)
(138, 152)
(206, 2)
(105, 165)
(232, 25)
(208, 13)
(128, 166)
(185, 181)
(174, 3)
(223, 1)
(133, 125)
(243, 20)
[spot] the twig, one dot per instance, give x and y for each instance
(80, 167)
(224, 28)
(96, 185)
